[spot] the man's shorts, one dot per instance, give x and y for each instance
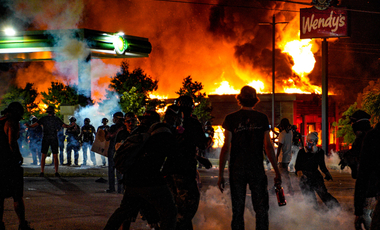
(52, 142)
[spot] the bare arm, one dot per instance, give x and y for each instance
(31, 126)
(224, 155)
(11, 129)
(279, 150)
(271, 155)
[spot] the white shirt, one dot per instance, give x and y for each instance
(286, 151)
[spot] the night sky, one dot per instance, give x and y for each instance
(210, 40)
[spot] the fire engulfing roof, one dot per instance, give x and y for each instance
(70, 44)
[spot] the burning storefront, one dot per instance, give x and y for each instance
(303, 110)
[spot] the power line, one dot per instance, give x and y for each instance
(332, 7)
(226, 5)
(269, 9)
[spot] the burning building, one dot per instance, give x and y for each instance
(302, 110)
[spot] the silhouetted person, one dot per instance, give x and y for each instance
(35, 138)
(181, 168)
(246, 133)
(73, 144)
(308, 161)
(105, 128)
(118, 120)
(284, 153)
(11, 172)
(50, 125)
(87, 137)
(145, 186)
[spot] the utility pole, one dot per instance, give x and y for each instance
(273, 24)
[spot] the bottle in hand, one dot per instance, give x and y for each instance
(280, 195)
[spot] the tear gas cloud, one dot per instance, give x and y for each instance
(215, 213)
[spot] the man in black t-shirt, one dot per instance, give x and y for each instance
(50, 125)
(246, 132)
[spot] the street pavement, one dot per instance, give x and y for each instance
(76, 201)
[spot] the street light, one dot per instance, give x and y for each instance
(9, 31)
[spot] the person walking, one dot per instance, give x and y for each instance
(144, 182)
(50, 126)
(181, 169)
(284, 153)
(87, 137)
(311, 180)
(72, 134)
(11, 172)
(246, 133)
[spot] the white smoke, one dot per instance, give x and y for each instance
(98, 111)
(215, 213)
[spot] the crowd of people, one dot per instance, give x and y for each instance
(160, 180)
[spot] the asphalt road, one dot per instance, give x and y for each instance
(76, 201)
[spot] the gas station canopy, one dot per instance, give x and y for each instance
(45, 45)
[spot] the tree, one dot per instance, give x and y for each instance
(59, 94)
(344, 126)
(125, 80)
(133, 101)
(26, 96)
(140, 82)
(203, 106)
(368, 101)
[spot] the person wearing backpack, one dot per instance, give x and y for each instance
(144, 183)
(181, 168)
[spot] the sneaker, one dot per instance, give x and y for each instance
(42, 174)
(25, 226)
(57, 174)
(110, 191)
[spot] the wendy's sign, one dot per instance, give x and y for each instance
(331, 22)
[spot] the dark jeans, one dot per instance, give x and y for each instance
(159, 197)
(260, 199)
(111, 174)
(312, 182)
(186, 195)
(61, 145)
(73, 145)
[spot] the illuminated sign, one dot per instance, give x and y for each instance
(327, 23)
(120, 44)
